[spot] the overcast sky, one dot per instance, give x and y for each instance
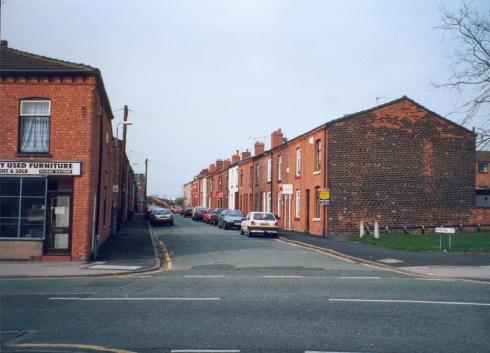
(205, 78)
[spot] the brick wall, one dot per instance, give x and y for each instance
(400, 165)
(74, 137)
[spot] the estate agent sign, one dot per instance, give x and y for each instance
(40, 168)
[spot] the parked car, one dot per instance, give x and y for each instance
(176, 209)
(198, 213)
(187, 212)
(230, 219)
(213, 219)
(160, 215)
(259, 222)
(207, 215)
(148, 210)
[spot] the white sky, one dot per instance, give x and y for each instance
(204, 78)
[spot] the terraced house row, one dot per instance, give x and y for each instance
(399, 164)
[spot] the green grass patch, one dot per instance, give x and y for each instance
(419, 242)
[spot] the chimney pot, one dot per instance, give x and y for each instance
(277, 138)
(259, 148)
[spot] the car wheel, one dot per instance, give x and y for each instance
(225, 225)
(172, 223)
(248, 233)
(241, 231)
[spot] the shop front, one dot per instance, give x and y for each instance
(36, 207)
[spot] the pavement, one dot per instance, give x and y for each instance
(466, 265)
(131, 250)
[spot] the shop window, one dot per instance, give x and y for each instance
(22, 207)
(34, 126)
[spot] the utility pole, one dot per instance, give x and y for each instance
(122, 152)
(146, 182)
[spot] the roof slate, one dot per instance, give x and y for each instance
(13, 60)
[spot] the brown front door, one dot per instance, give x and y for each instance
(58, 235)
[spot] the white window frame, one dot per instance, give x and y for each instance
(269, 170)
(297, 211)
(269, 202)
(298, 161)
(35, 101)
(21, 114)
(279, 167)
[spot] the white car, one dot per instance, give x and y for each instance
(259, 222)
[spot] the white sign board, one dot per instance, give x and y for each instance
(286, 189)
(445, 230)
(40, 168)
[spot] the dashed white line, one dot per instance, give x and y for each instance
(282, 276)
(359, 277)
(405, 301)
(134, 299)
(205, 351)
(204, 276)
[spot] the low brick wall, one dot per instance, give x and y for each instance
(21, 249)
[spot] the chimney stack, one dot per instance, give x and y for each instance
(226, 163)
(276, 138)
(246, 154)
(259, 148)
(4, 44)
(235, 158)
(219, 164)
(212, 168)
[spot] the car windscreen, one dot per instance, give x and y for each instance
(234, 214)
(264, 217)
(202, 209)
(161, 212)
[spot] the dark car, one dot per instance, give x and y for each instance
(187, 212)
(230, 219)
(207, 215)
(161, 216)
(198, 213)
(213, 219)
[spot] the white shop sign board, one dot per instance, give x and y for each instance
(40, 168)
(446, 230)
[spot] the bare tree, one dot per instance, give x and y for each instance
(470, 65)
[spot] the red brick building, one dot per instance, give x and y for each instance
(399, 164)
(56, 158)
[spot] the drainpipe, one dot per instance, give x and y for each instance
(95, 237)
(324, 226)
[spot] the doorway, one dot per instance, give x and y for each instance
(58, 235)
(307, 208)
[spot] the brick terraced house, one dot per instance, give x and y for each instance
(58, 161)
(398, 163)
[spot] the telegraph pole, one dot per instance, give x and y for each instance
(122, 152)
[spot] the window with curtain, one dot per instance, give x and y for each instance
(34, 126)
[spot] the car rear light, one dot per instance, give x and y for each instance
(252, 223)
(275, 224)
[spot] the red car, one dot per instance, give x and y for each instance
(206, 216)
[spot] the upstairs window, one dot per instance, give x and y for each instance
(297, 213)
(279, 167)
(269, 170)
(318, 155)
(298, 161)
(257, 172)
(34, 126)
(483, 167)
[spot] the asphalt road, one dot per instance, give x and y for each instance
(230, 293)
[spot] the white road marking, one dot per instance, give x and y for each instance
(133, 299)
(331, 352)
(205, 351)
(282, 276)
(204, 276)
(434, 279)
(405, 301)
(114, 267)
(390, 261)
(358, 277)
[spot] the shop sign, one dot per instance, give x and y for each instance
(219, 194)
(40, 168)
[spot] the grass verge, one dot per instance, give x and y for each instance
(422, 242)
